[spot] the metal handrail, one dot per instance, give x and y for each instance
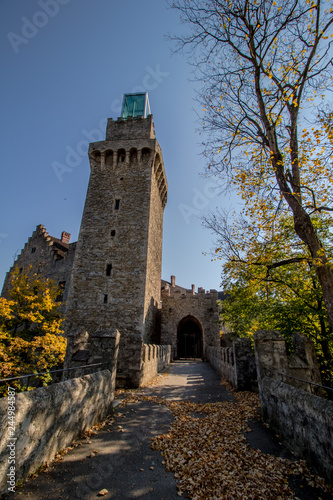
(51, 371)
(306, 381)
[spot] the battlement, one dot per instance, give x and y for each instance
(130, 128)
(130, 144)
(200, 295)
(195, 313)
(178, 293)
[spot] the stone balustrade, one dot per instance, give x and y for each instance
(235, 363)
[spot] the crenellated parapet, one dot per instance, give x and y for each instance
(133, 128)
(190, 293)
(236, 363)
(185, 310)
(130, 143)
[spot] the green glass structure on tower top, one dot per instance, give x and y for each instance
(135, 105)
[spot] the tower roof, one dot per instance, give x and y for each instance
(135, 105)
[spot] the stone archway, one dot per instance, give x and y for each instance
(189, 338)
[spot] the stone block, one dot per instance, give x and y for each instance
(48, 419)
(303, 421)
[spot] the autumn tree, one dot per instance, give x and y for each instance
(270, 280)
(31, 335)
(265, 66)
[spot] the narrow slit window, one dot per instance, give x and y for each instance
(105, 300)
(113, 233)
(117, 205)
(60, 296)
(108, 269)
(33, 250)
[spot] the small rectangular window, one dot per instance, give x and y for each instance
(105, 300)
(108, 269)
(60, 297)
(117, 205)
(33, 250)
(113, 233)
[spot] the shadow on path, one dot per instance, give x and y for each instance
(119, 458)
(195, 381)
(125, 465)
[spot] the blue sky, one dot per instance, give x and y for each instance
(66, 64)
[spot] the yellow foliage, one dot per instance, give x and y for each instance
(31, 335)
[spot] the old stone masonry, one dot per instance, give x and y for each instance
(111, 277)
(129, 324)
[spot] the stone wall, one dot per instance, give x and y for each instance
(155, 358)
(50, 418)
(223, 360)
(116, 279)
(201, 306)
(291, 407)
(236, 363)
(304, 422)
(158, 194)
(101, 346)
(272, 359)
(144, 361)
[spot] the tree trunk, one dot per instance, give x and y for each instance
(305, 230)
(307, 233)
(325, 277)
(325, 349)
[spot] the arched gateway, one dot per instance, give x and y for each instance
(189, 338)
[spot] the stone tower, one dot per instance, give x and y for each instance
(116, 277)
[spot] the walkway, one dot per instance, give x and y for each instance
(118, 457)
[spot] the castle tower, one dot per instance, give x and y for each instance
(116, 278)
